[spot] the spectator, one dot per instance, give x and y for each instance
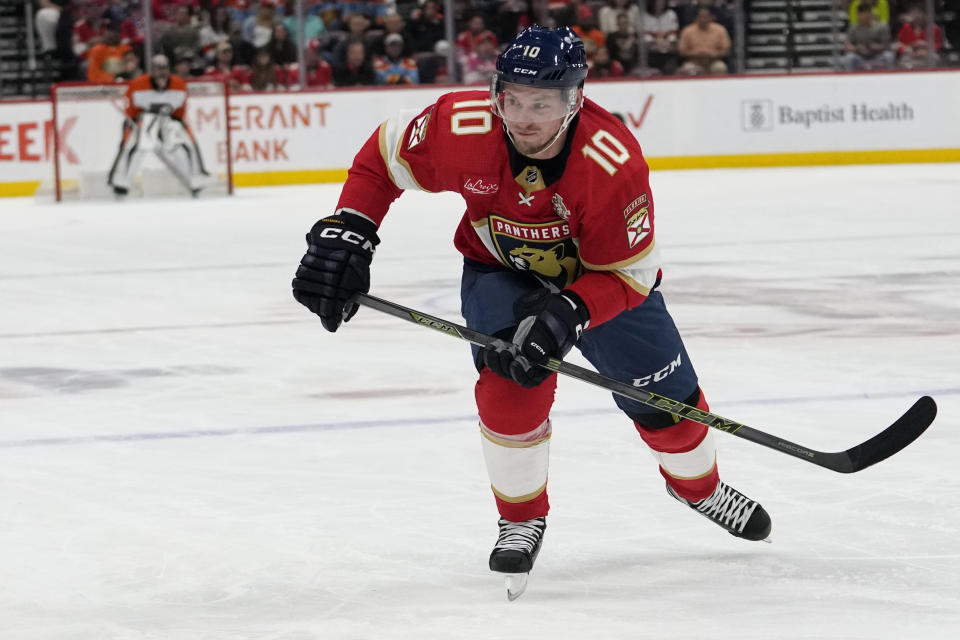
(357, 25)
(223, 67)
(880, 10)
(607, 16)
(480, 64)
(867, 44)
(183, 66)
(105, 60)
(116, 11)
(393, 22)
(319, 73)
(88, 30)
(586, 26)
(538, 12)
(281, 47)
(131, 67)
(356, 69)
(393, 67)
(624, 44)
(69, 63)
(660, 35)
(426, 29)
(215, 28)
(476, 29)
(46, 20)
(182, 39)
(264, 73)
(703, 45)
(132, 29)
(604, 66)
(258, 29)
(912, 41)
(313, 26)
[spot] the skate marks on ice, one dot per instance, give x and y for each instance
(863, 307)
(36, 381)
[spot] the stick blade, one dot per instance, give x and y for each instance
(897, 436)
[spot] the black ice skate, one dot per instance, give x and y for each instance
(515, 552)
(733, 511)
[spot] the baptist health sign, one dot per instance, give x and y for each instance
(760, 115)
(794, 120)
(302, 137)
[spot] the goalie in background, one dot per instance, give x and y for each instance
(154, 123)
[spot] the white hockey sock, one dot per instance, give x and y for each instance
(517, 464)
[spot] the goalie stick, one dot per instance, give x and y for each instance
(901, 433)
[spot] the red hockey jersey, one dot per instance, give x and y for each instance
(582, 220)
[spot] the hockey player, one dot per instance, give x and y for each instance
(559, 251)
(156, 106)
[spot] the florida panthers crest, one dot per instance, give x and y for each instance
(544, 249)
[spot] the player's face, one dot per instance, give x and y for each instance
(160, 74)
(532, 115)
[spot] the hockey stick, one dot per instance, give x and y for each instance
(901, 433)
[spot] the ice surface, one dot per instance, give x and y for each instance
(186, 454)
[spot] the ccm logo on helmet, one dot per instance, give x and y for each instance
(529, 72)
(348, 236)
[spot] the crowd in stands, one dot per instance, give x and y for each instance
(257, 44)
(870, 45)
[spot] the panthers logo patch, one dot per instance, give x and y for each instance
(545, 250)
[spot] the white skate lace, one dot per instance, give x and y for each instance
(520, 536)
(729, 506)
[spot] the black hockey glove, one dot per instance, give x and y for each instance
(549, 325)
(336, 266)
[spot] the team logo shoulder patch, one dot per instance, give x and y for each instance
(419, 130)
(559, 207)
(639, 200)
(637, 218)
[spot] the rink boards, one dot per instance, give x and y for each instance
(306, 137)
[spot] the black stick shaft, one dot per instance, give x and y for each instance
(894, 438)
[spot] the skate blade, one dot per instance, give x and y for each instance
(516, 584)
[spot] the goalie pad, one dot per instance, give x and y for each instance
(170, 140)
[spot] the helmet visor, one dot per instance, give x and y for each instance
(518, 103)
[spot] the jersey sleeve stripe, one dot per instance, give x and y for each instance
(391, 141)
(384, 153)
(633, 284)
(639, 272)
(613, 266)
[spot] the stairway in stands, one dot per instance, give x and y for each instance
(16, 76)
(792, 36)
(12, 21)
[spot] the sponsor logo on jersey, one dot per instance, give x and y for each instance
(543, 249)
(559, 207)
(481, 186)
(638, 226)
(532, 175)
(419, 130)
